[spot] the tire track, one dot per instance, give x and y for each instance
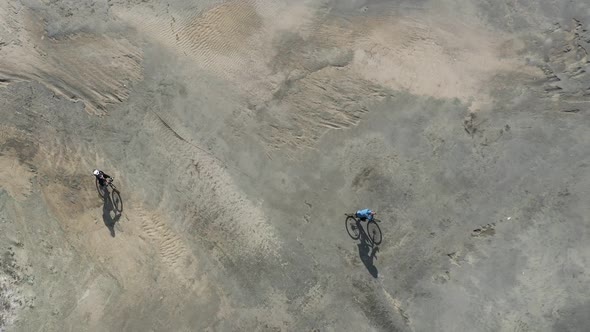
(380, 308)
(217, 208)
(312, 300)
(172, 250)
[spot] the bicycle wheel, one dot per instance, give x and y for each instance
(101, 190)
(117, 201)
(374, 232)
(352, 228)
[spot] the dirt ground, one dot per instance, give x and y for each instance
(239, 133)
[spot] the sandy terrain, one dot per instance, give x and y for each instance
(239, 133)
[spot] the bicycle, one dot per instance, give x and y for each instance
(115, 195)
(355, 230)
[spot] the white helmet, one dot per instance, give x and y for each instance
(96, 172)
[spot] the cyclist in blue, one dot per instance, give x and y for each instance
(365, 214)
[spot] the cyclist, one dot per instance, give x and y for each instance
(365, 214)
(102, 177)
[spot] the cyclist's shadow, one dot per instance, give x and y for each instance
(107, 218)
(368, 252)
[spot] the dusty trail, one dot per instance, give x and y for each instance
(239, 132)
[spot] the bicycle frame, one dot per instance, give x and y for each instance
(365, 232)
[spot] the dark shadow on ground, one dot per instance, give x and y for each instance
(368, 252)
(107, 210)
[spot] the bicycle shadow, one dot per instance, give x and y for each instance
(367, 253)
(107, 218)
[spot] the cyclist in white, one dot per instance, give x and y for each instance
(102, 177)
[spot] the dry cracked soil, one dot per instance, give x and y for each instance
(239, 133)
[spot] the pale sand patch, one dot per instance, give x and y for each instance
(227, 40)
(438, 58)
(15, 177)
(96, 69)
(240, 225)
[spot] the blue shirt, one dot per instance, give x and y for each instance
(364, 214)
